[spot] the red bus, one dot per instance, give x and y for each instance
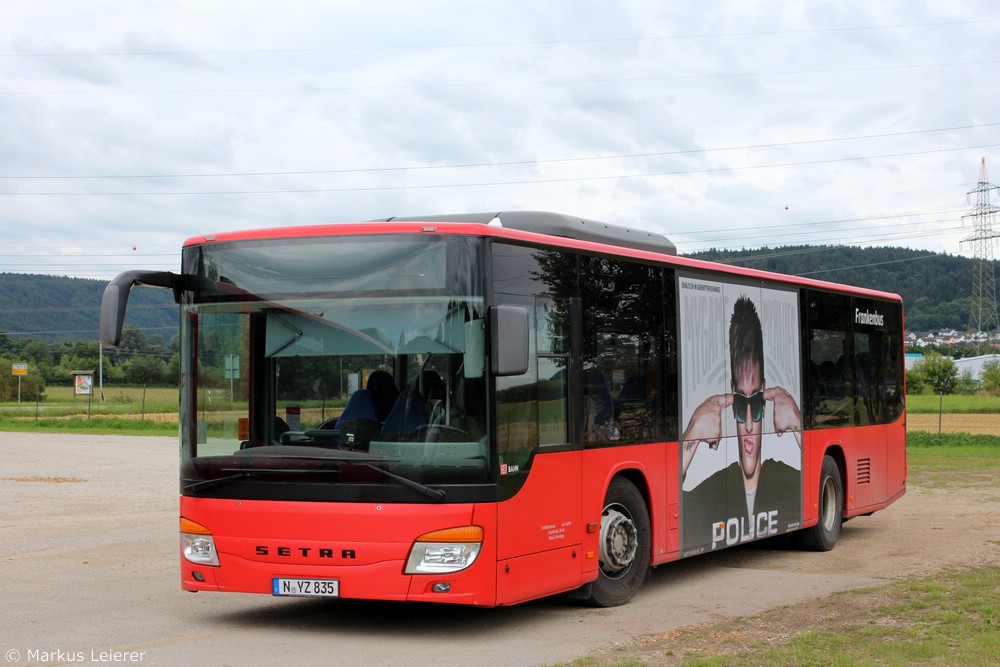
(538, 404)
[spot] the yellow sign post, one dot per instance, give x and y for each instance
(19, 370)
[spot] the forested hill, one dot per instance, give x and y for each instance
(57, 309)
(936, 288)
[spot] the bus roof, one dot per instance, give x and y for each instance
(558, 224)
(534, 227)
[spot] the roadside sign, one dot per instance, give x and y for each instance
(83, 383)
(19, 369)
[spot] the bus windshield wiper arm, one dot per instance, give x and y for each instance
(208, 483)
(433, 494)
(362, 459)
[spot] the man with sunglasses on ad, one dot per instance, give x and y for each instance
(714, 516)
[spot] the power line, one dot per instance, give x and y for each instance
(498, 84)
(575, 179)
(463, 45)
(836, 237)
(513, 163)
(869, 265)
(825, 223)
(75, 331)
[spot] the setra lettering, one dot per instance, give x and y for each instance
(305, 552)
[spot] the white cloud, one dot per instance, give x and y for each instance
(309, 112)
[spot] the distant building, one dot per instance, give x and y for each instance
(972, 364)
(975, 365)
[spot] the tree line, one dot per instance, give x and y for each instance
(936, 288)
(139, 360)
(52, 322)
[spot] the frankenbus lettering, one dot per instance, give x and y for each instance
(866, 317)
(743, 529)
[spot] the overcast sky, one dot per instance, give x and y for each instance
(127, 127)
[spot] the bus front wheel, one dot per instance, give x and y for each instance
(823, 536)
(624, 545)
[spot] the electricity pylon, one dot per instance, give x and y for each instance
(983, 315)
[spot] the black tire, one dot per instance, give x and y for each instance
(624, 545)
(823, 536)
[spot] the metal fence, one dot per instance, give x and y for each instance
(954, 413)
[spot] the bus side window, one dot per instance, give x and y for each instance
(517, 404)
(627, 313)
(599, 408)
(830, 369)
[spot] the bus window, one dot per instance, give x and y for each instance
(517, 406)
(878, 354)
(552, 342)
(829, 373)
(624, 339)
(855, 370)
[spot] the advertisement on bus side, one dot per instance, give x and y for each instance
(741, 444)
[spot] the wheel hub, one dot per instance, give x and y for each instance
(619, 541)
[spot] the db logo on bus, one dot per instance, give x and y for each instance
(506, 468)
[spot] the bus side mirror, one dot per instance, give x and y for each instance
(509, 340)
(115, 300)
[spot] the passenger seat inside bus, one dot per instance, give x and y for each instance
(384, 393)
(407, 415)
(359, 421)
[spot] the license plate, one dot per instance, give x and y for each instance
(322, 588)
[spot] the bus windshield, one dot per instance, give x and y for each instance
(335, 368)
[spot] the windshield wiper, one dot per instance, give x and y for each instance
(209, 483)
(369, 462)
(424, 490)
(433, 494)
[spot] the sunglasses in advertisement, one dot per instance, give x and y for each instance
(756, 403)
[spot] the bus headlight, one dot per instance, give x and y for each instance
(197, 543)
(444, 551)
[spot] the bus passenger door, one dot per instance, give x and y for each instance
(539, 532)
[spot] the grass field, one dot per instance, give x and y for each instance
(952, 404)
(124, 410)
(946, 619)
(949, 618)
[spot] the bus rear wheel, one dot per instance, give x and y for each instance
(624, 545)
(823, 536)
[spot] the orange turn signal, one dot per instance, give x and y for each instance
(463, 534)
(189, 526)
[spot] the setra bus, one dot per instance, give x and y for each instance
(535, 404)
